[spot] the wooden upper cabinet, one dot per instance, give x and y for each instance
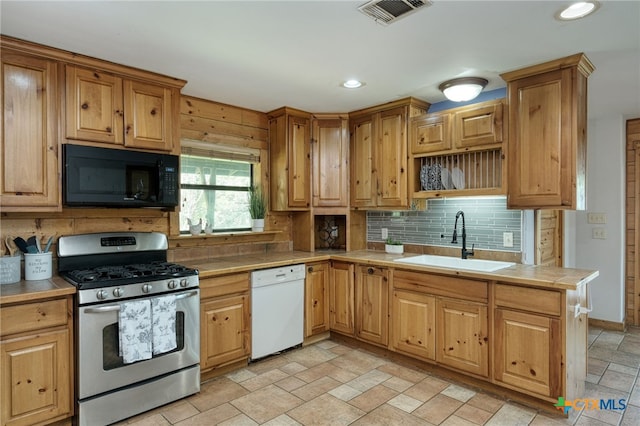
(431, 133)
(102, 107)
(29, 175)
(392, 158)
(378, 153)
(479, 125)
(476, 126)
(547, 134)
(148, 116)
(330, 153)
(94, 106)
(363, 170)
(290, 159)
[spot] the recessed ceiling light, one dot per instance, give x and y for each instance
(577, 10)
(352, 84)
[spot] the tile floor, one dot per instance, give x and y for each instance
(331, 384)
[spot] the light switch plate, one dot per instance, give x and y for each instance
(385, 233)
(599, 234)
(596, 218)
(507, 239)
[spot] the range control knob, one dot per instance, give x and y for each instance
(118, 292)
(146, 288)
(102, 294)
(172, 284)
(184, 282)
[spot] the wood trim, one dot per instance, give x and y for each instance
(579, 59)
(632, 225)
(412, 102)
(636, 272)
(607, 325)
(87, 61)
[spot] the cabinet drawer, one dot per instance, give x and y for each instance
(440, 285)
(529, 299)
(226, 284)
(33, 316)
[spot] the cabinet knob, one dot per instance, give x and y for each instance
(370, 271)
(84, 106)
(153, 111)
(310, 269)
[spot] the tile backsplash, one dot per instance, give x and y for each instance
(486, 218)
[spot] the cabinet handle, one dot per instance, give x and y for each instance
(310, 269)
(127, 130)
(84, 106)
(153, 112)
(370, 271)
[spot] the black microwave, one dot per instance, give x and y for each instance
(107, 177)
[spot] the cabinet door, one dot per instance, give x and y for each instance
(317, 299)
(363, 174)
(392, 158)
(544, 142)
(224, 332)
(299, 162)
(372, 295)
(330, 153)
(29, 175)
(413, 322)
(94, 106)
(528, 352)
(480, 125)
(463, 336)
(36, 378)
(341, 297)
(148, 116)
(431, 133)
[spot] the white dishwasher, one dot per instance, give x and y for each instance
(277, 309)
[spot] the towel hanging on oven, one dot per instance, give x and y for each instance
(163, 314)
(134, 323)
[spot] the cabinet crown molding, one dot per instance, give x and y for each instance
(579, 60)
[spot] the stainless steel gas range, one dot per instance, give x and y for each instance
(137, 322)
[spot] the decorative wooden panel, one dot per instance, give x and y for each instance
(413, 321)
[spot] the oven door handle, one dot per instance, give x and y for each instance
(115, 308)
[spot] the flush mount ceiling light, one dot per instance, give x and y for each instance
(352, 84)
(463, 89)
(577, 10)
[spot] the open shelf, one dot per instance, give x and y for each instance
(459, 173)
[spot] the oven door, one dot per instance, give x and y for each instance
(100, 367)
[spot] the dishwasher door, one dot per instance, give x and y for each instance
(277, 309)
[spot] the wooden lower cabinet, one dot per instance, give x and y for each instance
(224, 321)
(528, 352)
(372, 304)
(413, 324)
(462, 335)
(316, 299)
(36, 380)
(341, 277)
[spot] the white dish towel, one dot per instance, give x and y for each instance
(134, 322)
(163, 315)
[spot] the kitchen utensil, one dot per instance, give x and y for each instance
(38, 246)
(22, 244)
(48, 245)
(32, 244)
(11, 246)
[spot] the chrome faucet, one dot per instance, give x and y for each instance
(454, 240)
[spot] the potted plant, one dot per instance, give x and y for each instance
(257, 208)
(393, 246)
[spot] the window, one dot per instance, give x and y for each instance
(214, 185)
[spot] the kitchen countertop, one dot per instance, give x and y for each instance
(26, 291)
(538, 276)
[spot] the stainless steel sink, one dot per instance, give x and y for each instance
(455, 263)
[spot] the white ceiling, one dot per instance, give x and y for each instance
(266, 54)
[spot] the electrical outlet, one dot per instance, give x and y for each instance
(596, 218)
(599, 233)
(507, 239)
(385, 233)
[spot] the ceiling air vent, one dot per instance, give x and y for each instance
(388, 11)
